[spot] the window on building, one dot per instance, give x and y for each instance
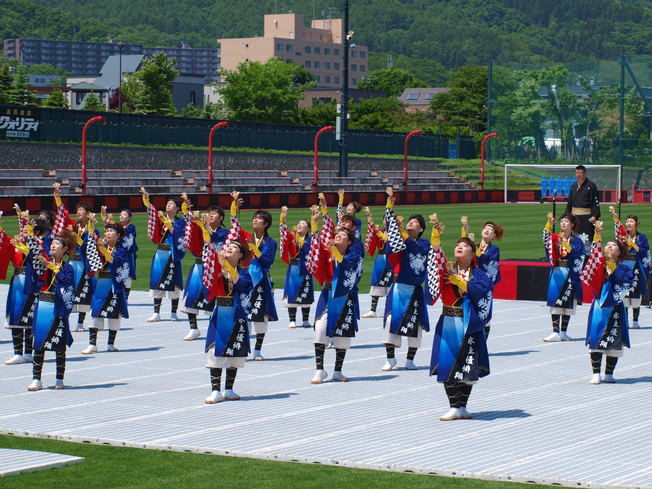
(317, 50)
(352, 54)
(354, 67)
(279, 46)
(317, 78)
(363, 54)
(327, 79)
(327, 65)
(429, 96)
(336, 66)
(307, 49)
(317, 65)
(336, 51)
(362, 68)
(354, 81)
(336, 79)
(327, 51)
(193, 97)
(307, 63)
(288, 48)
(413, 96)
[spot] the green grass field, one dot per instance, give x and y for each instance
(523, 224)
(118, 467)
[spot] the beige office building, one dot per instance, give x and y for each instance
(318, 48)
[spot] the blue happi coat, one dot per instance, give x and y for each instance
(607, 327)
(166, 273)
(459, 348)
(262, 299)
(109, 298)
(51, 327)
(228, 331)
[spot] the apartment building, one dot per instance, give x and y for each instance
(86, 58)
(319, 48)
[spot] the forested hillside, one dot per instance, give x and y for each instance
(446, 33)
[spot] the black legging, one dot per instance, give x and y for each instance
(39, 357)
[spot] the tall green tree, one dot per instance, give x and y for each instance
(19, 94)
(92, 102)
(264, 92)
(377, 114)
(392, 81)
(465, 104)
(5, 83)
(156, 76)
(57, 100)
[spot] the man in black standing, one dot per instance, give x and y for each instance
(583, 203)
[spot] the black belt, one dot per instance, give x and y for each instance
(163, 246)
(294, 261)
(46, 296)
(562, 263)
(75, 257)
(104, 274)
(453, 311)
(328, 286)
(199, 261)
(630, 257)
(224, 301)
(19, 271)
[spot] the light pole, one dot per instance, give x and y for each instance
(120, 47)
(344, 107)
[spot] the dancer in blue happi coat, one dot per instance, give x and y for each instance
(298, 290)
(459, 348)
(109, 304)
(487, 256)
(339, 270)
(637, 258)
(607, 332)
(51, 326)
(351, 209)
(227, 338)
(167, 232)
(565, 253)
(382, 272)
(199, 233)
(406, 313)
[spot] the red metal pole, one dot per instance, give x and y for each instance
(84, 178)
(315, 178)
(492, 135)
(405, 156)
(210, 154)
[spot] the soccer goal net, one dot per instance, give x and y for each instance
(554, 182)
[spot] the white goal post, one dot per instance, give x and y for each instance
(606, 177)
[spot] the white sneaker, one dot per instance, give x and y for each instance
(174, 317)
(464, 413)
(36, 385)
(111, 348)
(15, 360)
(595, 379)
(58, 385)
(292, 325)
(154, 318)
(319, 377)
(635, 325)
(389, 365)
(307, 324)
(609, 379)
(89, 349)
(453, 413)
(28, 358)
(231, 395)
(553, 337)
(339, 376)
(409, 364)
(193, 334)
(370, 314)
(564, 336)
(257, 356)
(214, 398)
